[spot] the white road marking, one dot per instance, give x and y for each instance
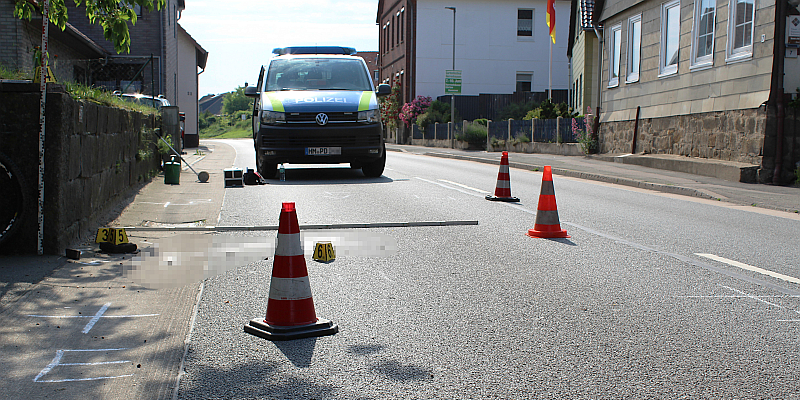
(96, 317)
(384, 276)
(464, 186)
(750, 268)
(748, 295)
(166, 204)
(57, 362)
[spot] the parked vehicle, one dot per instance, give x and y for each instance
(155, 102)
(317, 105)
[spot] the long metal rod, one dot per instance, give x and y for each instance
(302, 227)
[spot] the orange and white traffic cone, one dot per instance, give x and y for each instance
(290, 308)
(502, 191)
(547, 224)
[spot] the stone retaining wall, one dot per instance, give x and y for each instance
(730, 135)
(94, 156)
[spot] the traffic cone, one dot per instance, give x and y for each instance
(547, 224)
(502, 191)
(290, 308)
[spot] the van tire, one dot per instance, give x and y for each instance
(375, 168)
(266, 170)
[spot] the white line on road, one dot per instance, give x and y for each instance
(748, 295)
(96, 317)
(750, 268)
(464, 186)
(166, 204)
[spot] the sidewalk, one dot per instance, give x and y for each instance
(612, 170)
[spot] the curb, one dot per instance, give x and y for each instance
(679, 190)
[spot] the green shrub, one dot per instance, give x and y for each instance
(474, 134)
(481, 121)
(516, 110)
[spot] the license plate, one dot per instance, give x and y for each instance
(323, 151)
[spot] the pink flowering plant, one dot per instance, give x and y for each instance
(410, 111)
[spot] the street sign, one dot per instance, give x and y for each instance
(452, 81)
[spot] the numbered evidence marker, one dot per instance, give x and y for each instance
(323, 251)
(111, 235)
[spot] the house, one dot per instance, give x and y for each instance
(701, 78)
(211, 103)
(583, 51)
(501, 46)
(191, 63)
(19, 40)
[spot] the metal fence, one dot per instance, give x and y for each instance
(128, 74)
(561, 130)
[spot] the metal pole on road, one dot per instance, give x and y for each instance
(453, 96)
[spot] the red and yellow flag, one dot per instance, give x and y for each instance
(551, 19)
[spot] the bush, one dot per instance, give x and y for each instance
(548, 110)
(438, 111)
(412, 110)
(481, 121)
(474, 134)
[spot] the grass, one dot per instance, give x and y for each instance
(225, 127)
(86, 93)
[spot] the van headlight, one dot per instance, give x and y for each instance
(370, 116)
(272, 117)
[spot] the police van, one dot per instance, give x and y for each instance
(317, 105)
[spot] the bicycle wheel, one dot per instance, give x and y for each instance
(13, 201)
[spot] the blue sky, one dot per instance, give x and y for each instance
(239, 35)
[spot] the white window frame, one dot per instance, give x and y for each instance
(533, 26)
(633, 50)
(745, 52)
(707, 60)
(663, 68)
(526, 76)
(614, 55)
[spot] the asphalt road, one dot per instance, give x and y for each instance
(653, 296)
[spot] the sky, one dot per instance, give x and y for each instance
(239, 35)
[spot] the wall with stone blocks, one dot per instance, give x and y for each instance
(94, 157)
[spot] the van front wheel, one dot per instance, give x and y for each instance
(375, 168)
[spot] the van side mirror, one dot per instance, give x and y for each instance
(384, 90)
(251, 91)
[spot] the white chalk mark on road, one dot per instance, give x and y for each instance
(57, 362)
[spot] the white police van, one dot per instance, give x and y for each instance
(317, 105)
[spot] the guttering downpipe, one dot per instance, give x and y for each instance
(601, 45)
(779, 52)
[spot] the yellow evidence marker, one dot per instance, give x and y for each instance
(111, 235)
(324, 252)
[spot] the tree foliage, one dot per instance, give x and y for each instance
(390, 106)
(236, 101)
(112, 15)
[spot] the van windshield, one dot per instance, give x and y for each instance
(317, 74)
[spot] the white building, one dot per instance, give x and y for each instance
(501, 46)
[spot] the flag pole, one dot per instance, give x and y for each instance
(550, 74)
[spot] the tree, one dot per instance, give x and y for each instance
(112, 15)
(236, 101)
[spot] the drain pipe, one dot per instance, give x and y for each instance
(779, 53)
(596, 122)
(635, 130)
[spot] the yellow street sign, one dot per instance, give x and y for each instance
(324, 252)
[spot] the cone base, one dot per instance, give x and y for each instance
(507, 199)
(548, 234)
(259, 328)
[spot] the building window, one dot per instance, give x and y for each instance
(525, 22)
(614, 51)
(703, 32)
(634, 52)
(670, 38)
(524, 80)
(740, 29)
(385, 47)
(402, 24)
(376, 76)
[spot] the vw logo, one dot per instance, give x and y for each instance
(322, 119)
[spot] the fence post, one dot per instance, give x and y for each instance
(558, 130)
(451, 130)
(488, 136)
(508, 140)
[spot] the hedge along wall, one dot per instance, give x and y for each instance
(94, 156)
